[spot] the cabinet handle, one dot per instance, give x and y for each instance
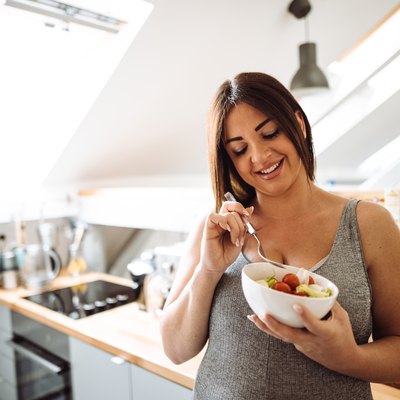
(117, 360)
(35, 357)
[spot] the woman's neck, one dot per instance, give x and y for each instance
(294, 203)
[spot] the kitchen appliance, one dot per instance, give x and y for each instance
(153, 273)
(39, 265)
(139, 269)
(42, 364)
(83, 300)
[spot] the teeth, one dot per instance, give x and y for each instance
(270, 169)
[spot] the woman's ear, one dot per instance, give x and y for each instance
(302, 125)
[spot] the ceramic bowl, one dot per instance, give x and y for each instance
(262, 299)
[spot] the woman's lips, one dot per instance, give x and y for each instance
(272, 171)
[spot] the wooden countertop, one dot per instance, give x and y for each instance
(126, 332)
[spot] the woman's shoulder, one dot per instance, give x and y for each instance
(372, 219)
(368, 213)
(373, 215)
(379, 232)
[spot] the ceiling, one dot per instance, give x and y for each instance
(148, 125)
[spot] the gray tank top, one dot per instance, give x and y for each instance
(241, 362)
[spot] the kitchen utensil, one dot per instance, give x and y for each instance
(77, 264)
(230, 197)
(39, 265)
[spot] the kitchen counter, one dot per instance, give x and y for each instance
(125, 331)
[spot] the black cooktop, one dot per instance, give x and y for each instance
(85, 299)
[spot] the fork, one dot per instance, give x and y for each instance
(230, 197)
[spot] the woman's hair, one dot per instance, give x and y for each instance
(270, 97)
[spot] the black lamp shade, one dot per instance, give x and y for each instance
(309, 79)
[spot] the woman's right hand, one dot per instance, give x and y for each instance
(223, 236)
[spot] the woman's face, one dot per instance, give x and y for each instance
(263, 155)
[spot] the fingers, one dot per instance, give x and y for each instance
(233, 223)
(263, 324)
(234, 206)
(232, 217)
(273, 327)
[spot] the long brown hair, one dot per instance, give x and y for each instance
(270, 97)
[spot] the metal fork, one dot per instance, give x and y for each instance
(230, 197)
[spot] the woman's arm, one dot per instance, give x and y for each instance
(184, 324)
(380, 238)
(212, 246)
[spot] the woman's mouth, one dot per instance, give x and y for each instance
(271, 169)
(268, 172)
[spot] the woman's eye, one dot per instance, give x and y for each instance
(239, 152)
(272, 135)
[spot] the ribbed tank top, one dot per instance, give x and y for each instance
(243, 363)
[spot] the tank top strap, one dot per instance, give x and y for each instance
(348, 228)
(347, 244)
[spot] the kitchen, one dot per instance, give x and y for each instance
(111, 168)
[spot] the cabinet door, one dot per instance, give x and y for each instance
(5, 319)
(149, 386)
(8, 389)
(97, 374)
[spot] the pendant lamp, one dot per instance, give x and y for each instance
(309, 79)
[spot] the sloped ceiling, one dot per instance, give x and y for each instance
(150, 119)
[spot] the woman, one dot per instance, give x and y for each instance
(260, 149)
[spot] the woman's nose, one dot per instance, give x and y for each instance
(259, 154)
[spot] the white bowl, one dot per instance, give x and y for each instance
(263, 299)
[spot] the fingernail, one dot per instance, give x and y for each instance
(250, 318)
(245, 212)
(297, 308)
(228, 228)
(237, 243)
(242, 241)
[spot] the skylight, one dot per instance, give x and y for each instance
(376, 51)
(52, 72)
(361, 81)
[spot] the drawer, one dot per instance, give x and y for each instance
(7, 371)
(5, 319)
(5, 349)
(7, 391)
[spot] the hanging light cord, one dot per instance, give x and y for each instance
(306, 29)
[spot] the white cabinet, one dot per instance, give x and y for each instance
(149, 386)
(97, 374)
(8, 389)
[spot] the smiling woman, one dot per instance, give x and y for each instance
(260, 150)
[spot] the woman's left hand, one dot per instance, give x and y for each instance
(329, 342)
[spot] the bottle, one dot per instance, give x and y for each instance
(76, 264)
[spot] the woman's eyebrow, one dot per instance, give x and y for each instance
(259, 126)
(233, 139)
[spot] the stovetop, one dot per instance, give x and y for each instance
(83, 300)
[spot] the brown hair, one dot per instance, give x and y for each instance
(269, 96)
